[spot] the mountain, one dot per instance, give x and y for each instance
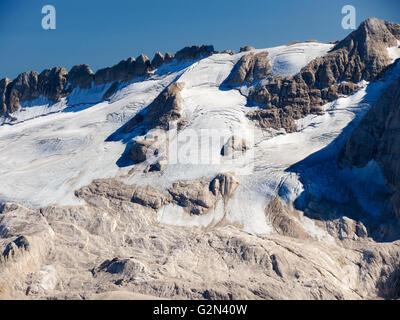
(263, 174)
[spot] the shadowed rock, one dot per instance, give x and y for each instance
(23, 88)
(199, 196)
(52, 82)
(12, 249)
(251, 67)
(361, 55)
(194, 52)
(168, 57)
(377, 138)
(246, 48)
(157, 61)
(233, 145)
(3, 88)
(81, 76)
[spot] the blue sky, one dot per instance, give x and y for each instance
(101, 33)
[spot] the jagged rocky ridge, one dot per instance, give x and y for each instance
(361, 55)
(57, 83)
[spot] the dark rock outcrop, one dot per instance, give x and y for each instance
(168, 57)
(377, 138)
(234, 144)
(52, 83)
(19, 244)
(3, 88)
(158, 60)
(139, 149)
(361, 55)
(165, 108)
(246, 48)
(194, 52)
(81, 76)
(251, 67)
(124, 70)
(199, 196)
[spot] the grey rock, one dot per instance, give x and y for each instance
(81, 76)
(52, 83)
(158, 60)
(246, 48)
(165, 108)
(376, 138)
(194, 52)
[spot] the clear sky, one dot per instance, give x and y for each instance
(103, 32)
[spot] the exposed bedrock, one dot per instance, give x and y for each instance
(251, 67)
(194, 52)
(52, 83)
(81, 76)
(199, 196)
(233, 145)
(361, 55)
(165, 108)
(378, 138)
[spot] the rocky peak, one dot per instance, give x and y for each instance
(23, 88)
(168, 57)
(377, 138)
(81, 76)
(194, 52)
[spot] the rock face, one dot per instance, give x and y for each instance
(139, 150)
(112, 189)
(233, 145)
(362, 55)
(165, 108)
(194, 52)
(246, 48)
(81, 76)
(117, 247)
(199, 196)
(250, 68)
(23, 88)
(52, 82)
(377, 138)
(3, 88)
(158, 60)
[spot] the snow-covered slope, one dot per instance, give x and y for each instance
(54, 150)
